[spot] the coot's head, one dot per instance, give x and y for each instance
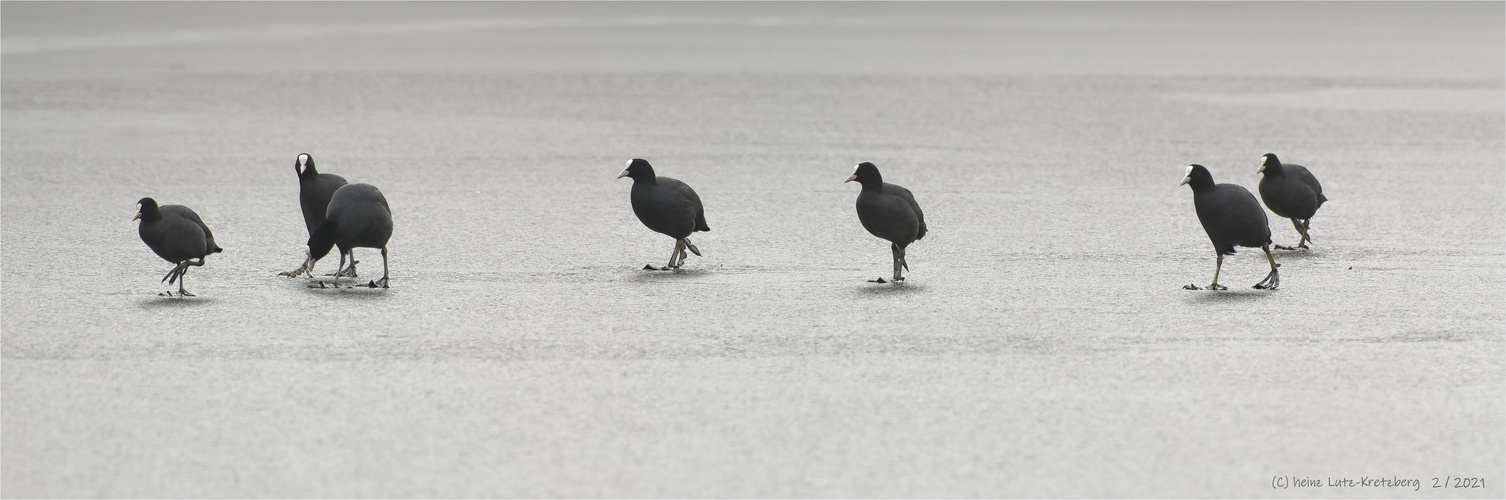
(865, 173)
(1270, 164)
(304, 165)
(638, 169)
(146, 209)
(1198, 177)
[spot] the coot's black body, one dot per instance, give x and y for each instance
(358, 217)
(666, 206)
(178, 235)
(1232, 217)
(1292, 192)
(889, 212)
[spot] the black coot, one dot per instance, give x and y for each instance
(358, 217)
(1292, 192)
(668, 206)
(889, 212)
(178, 235)
(314, 192)
(1231, 216)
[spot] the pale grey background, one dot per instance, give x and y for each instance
(1043, 345)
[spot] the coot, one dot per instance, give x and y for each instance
(1231, 216)
(1291, 192)
(178, 235)
(358, 217)
(889, 212)
(667, 206)
(314, 192)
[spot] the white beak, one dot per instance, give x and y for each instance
(309, 260)
(851, 178)
(1186, 178)
(623, 174)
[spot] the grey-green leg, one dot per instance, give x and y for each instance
(381, 282)
(339, 270)
(677, 255)
(1273, 279)
(180, 271)
(899, 261)
(303, 269)
(1302, 229)
(679, 259)
(1301, 225)
(1218, 267)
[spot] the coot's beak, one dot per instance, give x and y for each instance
(309, 260)
(623, 174)
(1187, 178)
(138, 216)
(851, 178)
(1262, 165)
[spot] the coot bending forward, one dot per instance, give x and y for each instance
(358, 217)
(1291, 192)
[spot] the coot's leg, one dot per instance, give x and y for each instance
(351, 271)
(675, 255)
(899, 261)
(1216, 269)
(173, 274)
(1301, 232)
(339, 270)
(1272, 280)
(1302, 229)
(181, 292)
(306, 268)
(181, 274)
(381, 282)
(303, 269)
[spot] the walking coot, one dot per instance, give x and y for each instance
(1291, 192)
(667, 206)
(1231, 216)
(178, 235)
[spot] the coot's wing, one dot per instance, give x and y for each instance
(1301, 173)
(679, 194)
(904, 194)
(188, 213)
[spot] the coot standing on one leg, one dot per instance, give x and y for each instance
(667, 206)
(1231, 216)
(889, 212)
(358, 217)
(1291, 192)
(178, 235)
(314, 192)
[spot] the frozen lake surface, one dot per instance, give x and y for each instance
(1042, 346)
